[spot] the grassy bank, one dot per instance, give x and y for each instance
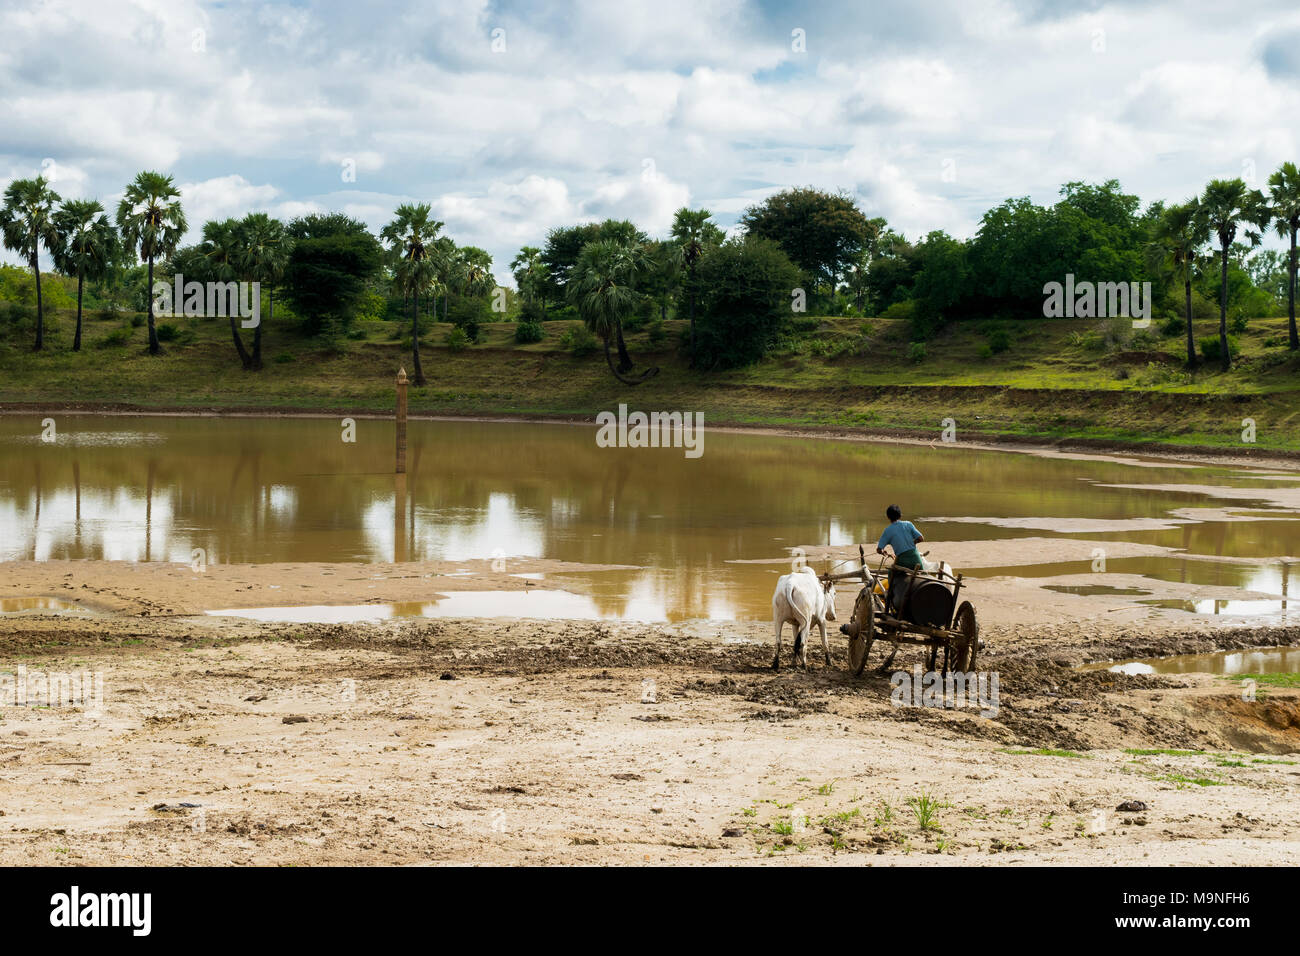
(1079, 379)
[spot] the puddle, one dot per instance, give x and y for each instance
(1092, 590)
(1260, 660)
(531, 603)
(35, 605)
(1275, 607)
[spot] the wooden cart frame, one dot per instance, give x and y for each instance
(875, 619)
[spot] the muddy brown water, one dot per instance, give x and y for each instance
(1259, 660)
(250, 490)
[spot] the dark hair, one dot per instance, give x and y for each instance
(893, 512)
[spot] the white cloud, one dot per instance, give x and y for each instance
(555, 129)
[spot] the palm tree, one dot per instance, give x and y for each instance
(1226, 204)
(223, 247)
(265, 251)
(601, 286)
(87, 244)
(444, 255)
(27, 223)
(1180, 233)
(528, 270)
(150, 219)
(410, 235)
(473, 270)
(693, 233)
(1284, 193)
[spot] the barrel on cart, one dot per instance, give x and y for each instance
(906, 606)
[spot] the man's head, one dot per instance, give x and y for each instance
(893, 512)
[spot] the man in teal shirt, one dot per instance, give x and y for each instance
(903, 537)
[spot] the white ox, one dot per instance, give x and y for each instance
(802, 600)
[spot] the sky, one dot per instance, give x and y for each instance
(511, 118)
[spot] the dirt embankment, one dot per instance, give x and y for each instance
(528, 741)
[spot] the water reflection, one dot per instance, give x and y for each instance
(275, 490)
(1264, 660)
(532, 603)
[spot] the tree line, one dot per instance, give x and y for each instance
(802, 249)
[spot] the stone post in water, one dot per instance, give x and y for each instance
(401, 421)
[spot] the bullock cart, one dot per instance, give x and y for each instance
(901, 606)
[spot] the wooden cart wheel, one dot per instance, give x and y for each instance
(965, 646)
(864, 627)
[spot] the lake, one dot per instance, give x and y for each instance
(255, 490)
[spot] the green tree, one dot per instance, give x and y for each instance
(564, 245)
(941, 282)
(332, 260)
(820, 232)
(694, 233)
(1176, 243)
(1284, 195)
(27, 223)
(151, 220)
(530, 275)
(745, 285)
(560, 254)
(86, 247)
(601, 285)
(411, 234)
(223, 247)
(265, 251)
(473, 269)
(1226, 205)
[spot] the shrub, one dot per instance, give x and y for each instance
(467, 312)
(641, 314)
(656, 332)
(916, 353)
(530, 311)
(168, 332)
(1174, 325)
(866, 328)
(1142, 339)
(284, 358)
(115, 339)
(900, 310)
(137, 321)
(999, 341)
(986, 351)
(1210, 348)
(1238, 323)
(457, 339)
(806, 324)
(1276, 341)
(528, 332)
(579, 340)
